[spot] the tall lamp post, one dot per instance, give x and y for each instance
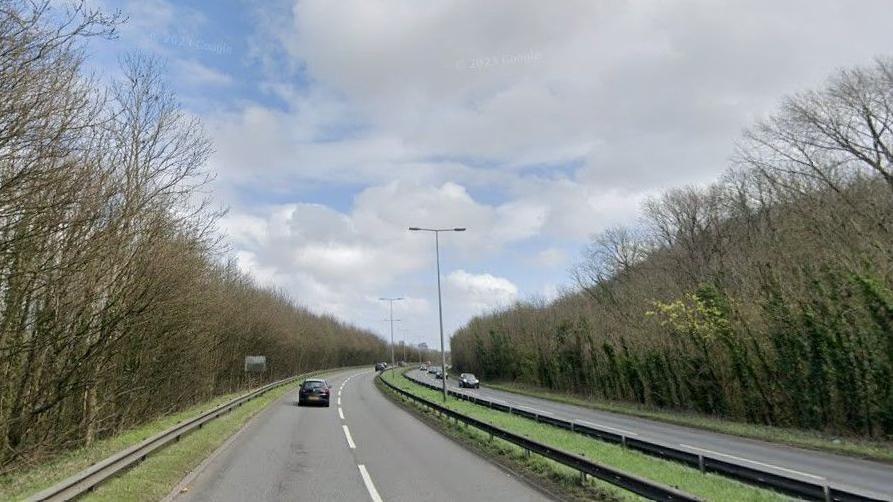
(391, 302)
(436, 232)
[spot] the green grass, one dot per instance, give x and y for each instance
(19, 484)
(707, 486)
(874, 450)
(159, 472)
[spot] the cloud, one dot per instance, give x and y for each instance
(343, 261)
(644, 94)
(480, 293)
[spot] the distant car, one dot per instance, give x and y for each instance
(381, 366)
(469, 381)
(440, 375)
(432, 369)
(423, 368)
(314, 391)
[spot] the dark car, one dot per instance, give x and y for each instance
(469, 381)
(381, 366)
(432, 369)
(440, 375)
(314, 391)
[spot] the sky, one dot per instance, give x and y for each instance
(339, 124)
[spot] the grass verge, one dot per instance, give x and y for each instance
(873, 450)
(706, 486)
(159, 472)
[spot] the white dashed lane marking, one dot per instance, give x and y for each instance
(350, 442)
(370, 487)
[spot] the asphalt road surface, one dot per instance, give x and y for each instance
(363, 447)
(863, 476)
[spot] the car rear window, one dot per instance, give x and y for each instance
(314, 385)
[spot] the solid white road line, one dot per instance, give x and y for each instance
(339, 401)
(622, 431)
(367, 480)
(350, 442)
(341, 413)
(751, 461)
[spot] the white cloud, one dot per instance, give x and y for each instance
(612, 78)
(342, 262)
(480, 293)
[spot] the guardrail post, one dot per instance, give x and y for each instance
(572, 426)
(623, 441)
(827, 491)
(582, 478)
(701, 463)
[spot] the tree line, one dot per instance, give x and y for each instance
(117, 303)
(765, 297)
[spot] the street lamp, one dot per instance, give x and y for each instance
(391, 302)
(436, 232)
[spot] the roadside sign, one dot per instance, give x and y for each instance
(255, 364)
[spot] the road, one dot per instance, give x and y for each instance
(368, 448)
(867, 477)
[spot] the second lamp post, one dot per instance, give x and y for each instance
(436, 232)
(391, 302)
